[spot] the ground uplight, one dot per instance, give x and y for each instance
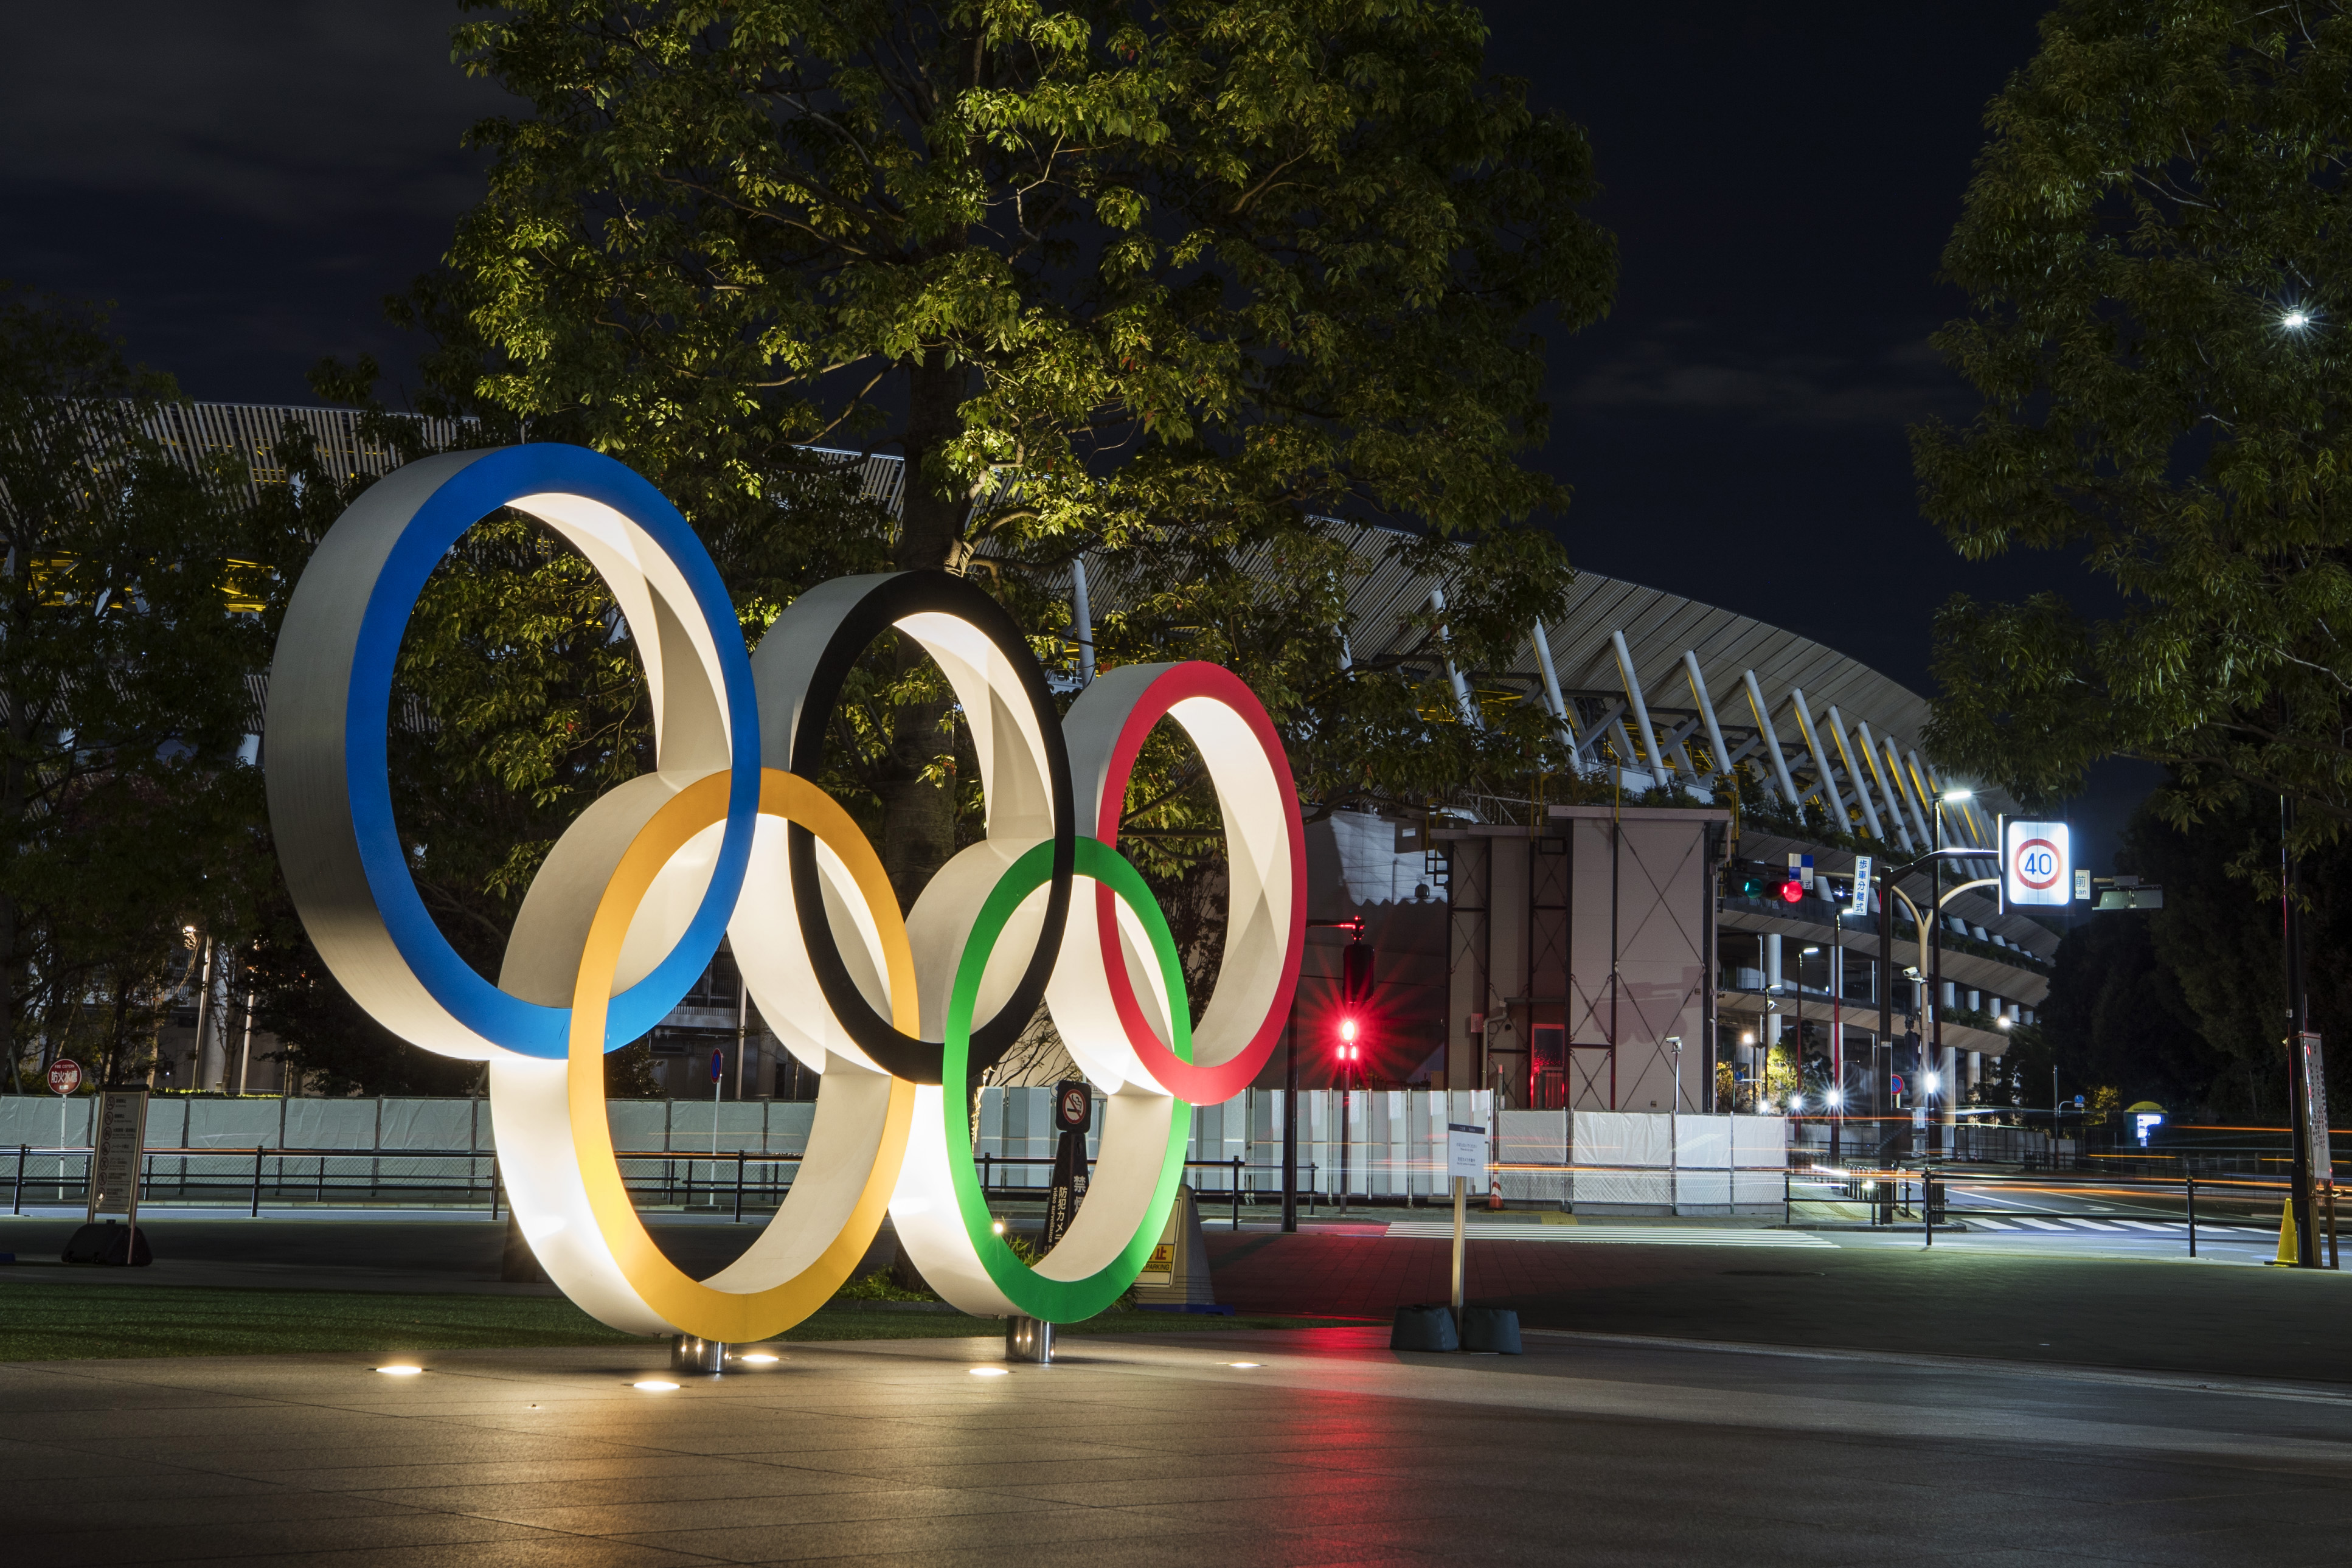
(399, 1370)
(1244, 1363)
(654, 1385)
(987, 1371)
(759, 1358)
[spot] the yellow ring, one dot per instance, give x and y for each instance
(691, 1305)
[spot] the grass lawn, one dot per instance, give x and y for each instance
(62, 1322)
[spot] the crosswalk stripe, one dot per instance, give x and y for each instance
(2168, 1227)
(1988, 1224)
(2091, 1224)
(1622, 1236)
(2041, 1223)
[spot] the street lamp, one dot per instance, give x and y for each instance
(1935, 985)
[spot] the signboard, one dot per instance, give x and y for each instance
(2037, 865)
(1861, 869)
(114, 1163)
(1801, 870)
(65, 1076)
(1074, 1108)
(717, 1067)
(2082, 883)
(1466, 1150)
(2314, 1108)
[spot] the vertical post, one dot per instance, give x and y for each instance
(1882, 1088)
(1237, 1192)
(1344, 1139)
(1459, 1242)
(1936, 986)
(494, 1181)
(1674, 1135)
(2300, 1194)
(2191, 1177)
(1927, 1204)
(24, 1151)
(739, 1186)
(1290, 1124)
(254, 1212)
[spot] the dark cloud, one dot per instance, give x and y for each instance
(1689, 368)
(293, 113)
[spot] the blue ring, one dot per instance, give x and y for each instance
(479, 488)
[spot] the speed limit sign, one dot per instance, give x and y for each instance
(65, 1076)
(2037, 864)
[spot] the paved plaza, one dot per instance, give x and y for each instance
(1330, 1450)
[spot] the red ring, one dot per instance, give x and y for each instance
(1210, 1083)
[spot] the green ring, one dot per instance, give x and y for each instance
(1059, 1300)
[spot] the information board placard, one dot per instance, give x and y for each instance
(1466, 1150)
(114, 1163)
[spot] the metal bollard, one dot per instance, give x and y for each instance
(1028, 1339)
(704, 1358)
(1237, 1192)
(2192, 1215)
(256, 1212)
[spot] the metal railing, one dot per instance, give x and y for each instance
(2103, 1201)
(445, 1178)
(1237, 1189)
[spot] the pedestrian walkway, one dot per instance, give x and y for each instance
(1609, 1235)
(2073, 1224)
(1290, 1450)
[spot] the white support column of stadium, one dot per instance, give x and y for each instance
(1928, 792)
(1820, 757)
(1903, 787)
(1706, 711)
(1861, 783)
(1551, 687)
(1772, 740)
(1461, 686)
(1082, 614)
(1891, 796)
(1640, 709)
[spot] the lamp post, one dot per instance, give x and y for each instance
(1936, 985)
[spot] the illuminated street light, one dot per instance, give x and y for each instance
(2005, 1020)
(1835, 1097)
(2296, 321)
(1932, 1083)
(1959, 794)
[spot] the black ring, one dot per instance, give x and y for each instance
(892, 599)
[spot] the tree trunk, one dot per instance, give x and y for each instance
(918, 816)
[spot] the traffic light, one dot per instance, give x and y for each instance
(1791, 890)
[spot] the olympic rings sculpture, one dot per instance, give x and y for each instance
(728, 838)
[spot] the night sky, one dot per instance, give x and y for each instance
(247, 180)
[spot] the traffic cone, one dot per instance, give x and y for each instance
(2287, 1253)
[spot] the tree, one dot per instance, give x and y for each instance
(126, 633)
(1165, 282)
(2154, 246)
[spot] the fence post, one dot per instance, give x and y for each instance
(256, 1212)
(494, 1181)
(2192, 1213)
(1237, 1192)
(739, 1186)
(23, 1150)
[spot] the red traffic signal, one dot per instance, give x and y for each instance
(1791, 890)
